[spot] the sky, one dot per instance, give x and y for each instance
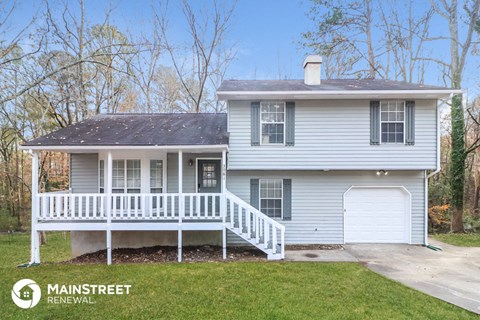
(266, 33)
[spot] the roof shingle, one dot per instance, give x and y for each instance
(326, 85)
(159, 129)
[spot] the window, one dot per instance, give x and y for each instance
(272, 122)
(101, 173)
(392, 120)
(209, 175)
(126, 176)
(156, 176)
(133, 176)
(271, 195)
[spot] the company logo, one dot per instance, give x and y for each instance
(26, 293)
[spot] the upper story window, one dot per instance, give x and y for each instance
(272, 122)
(392, 121)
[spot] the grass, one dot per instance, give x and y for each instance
(459, 239)
(240, 290)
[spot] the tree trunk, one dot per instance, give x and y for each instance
(368, 31)
(476, 178)
(457, 169)
(43, 238)
(476, 197)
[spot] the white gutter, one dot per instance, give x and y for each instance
(328, 94)
(123, 147)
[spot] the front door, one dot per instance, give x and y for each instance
(209, 179)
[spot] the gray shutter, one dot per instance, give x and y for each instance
(287, 199)
(255, 123)
(254, 193)
(375, 122)
(410, 123)
(290, 124)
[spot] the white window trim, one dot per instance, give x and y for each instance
(260, 197)
(404, 121)
(284, 123)
(150, 177)
(99, 175)
(125, 169)
(144, 156)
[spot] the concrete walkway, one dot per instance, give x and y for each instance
(452, 275)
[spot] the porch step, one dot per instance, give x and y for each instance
(265, 247)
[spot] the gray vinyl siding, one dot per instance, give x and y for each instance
(317, 200)
(332, 134)
(189, 173)
(84, 173)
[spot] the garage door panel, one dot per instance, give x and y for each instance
(377, 215)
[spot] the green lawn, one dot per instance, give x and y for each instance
(461, 240)
(248, 290)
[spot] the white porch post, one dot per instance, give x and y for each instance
(35, 239)
(181, 203)
(223, 203)
(109, 206)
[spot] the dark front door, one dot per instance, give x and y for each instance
(209, 179)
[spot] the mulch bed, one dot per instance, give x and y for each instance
(161, 254)
(314, 247)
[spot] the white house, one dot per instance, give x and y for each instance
(292, 162)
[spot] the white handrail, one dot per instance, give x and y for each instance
(245, 204)
(257, 228)
(129, 206)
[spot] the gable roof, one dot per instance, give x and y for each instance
(157, 129)
(329, 88)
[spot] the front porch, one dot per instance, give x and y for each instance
(147, 172)
(151, 200)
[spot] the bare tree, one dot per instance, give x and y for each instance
(454, 69)
(343, 33)
(146, 65)
(405, 41)
(207, 31)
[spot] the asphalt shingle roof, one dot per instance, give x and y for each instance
(326, 85)
(159, 129)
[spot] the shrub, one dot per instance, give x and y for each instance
(439, 218)
(8, 222)
(472, 222)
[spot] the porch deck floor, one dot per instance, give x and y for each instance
(129, 225)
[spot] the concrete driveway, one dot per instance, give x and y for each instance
(452, 275)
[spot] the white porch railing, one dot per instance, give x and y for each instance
(255, 227)
(132, 206)
(232, 212)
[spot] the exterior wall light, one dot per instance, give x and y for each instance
(190, 162)
(382, 172)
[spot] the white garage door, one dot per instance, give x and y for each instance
(377, 215)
